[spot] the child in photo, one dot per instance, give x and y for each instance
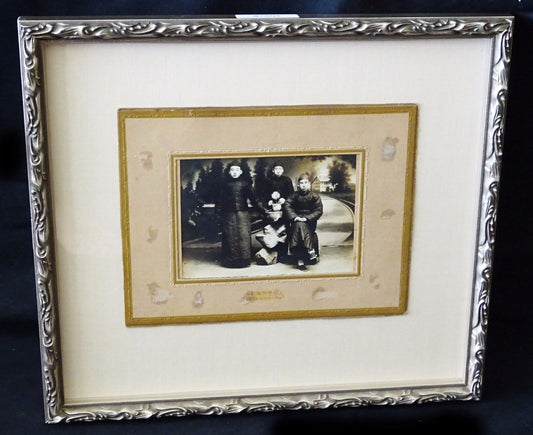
(273, 237)
(278, 188)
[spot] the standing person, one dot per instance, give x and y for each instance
(235, 218)
(303, 209)
(277, 182)
(276, 191)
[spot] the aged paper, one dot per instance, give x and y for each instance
(266, 212)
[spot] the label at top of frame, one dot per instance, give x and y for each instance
(252, 16)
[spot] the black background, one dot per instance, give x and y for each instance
(506, 405)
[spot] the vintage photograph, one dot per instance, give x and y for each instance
(247, 213)
(257, 216)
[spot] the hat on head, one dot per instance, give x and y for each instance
(304, 176)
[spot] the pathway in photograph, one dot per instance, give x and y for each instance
(201, 259)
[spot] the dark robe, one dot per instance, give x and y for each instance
(282, 184)
(235, 221)
(302, 236)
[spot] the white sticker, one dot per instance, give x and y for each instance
(251, 16)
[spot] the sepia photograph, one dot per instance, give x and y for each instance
(247, 213)
(255, 216)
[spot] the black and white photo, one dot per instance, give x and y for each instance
(268, 215)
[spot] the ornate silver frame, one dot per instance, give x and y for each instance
(32, 32)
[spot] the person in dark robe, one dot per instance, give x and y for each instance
(303, 209)
(234, 196)
(277, 182)
(273, 237)
(276, 190)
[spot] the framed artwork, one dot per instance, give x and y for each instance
(207, 227)
(255, 213)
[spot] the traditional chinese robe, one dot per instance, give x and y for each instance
(302, 235)
(235, 221)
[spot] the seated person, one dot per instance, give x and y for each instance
(277, 188)
(274, 235)
(303, 209)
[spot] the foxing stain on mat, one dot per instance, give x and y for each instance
(159, 295)
(198, 300)
(387, 214)
(152, 234)
(146, 159)
(388, 149)
(321, 293)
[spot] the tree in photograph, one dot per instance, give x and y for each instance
(207, 188)
(246, 171)
(189, 211)
(338, 175)
(314, 158)
(214, 180)
(349, 158)
(260, 171)
(201, 185)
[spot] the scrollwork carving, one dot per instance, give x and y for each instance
(213, 28)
